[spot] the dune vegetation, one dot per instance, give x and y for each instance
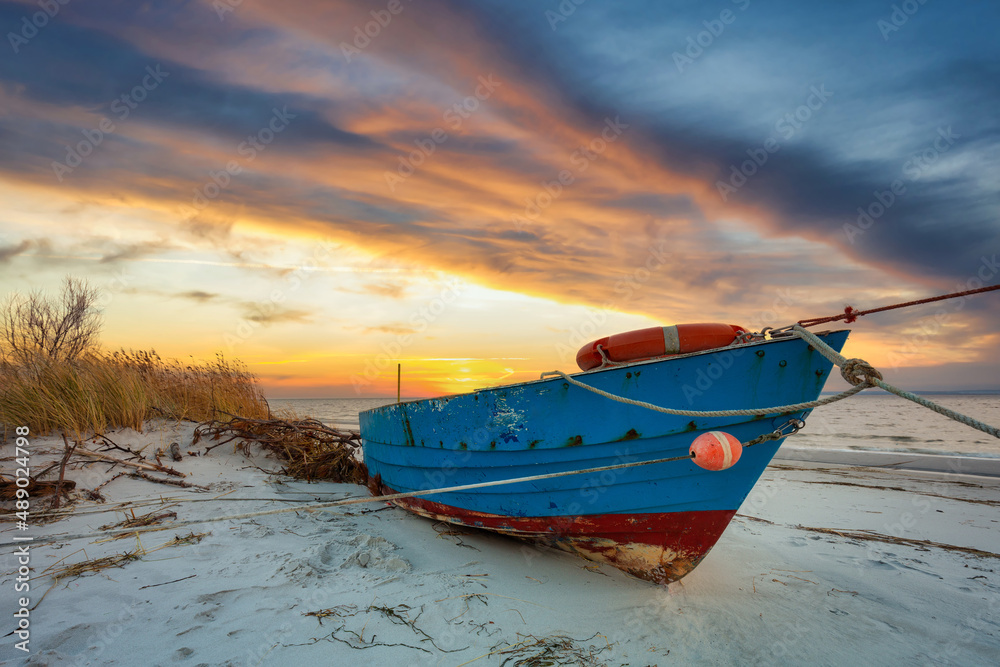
(55, 377)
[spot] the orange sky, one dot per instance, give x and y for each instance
(438, 200)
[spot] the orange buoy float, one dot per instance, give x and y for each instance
(657, 342)
(716, 450)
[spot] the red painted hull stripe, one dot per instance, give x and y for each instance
(679, 531)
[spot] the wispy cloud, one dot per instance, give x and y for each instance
(586, 155)
(276, 314)
(134, 251)
(9, 251)
(391, 329)
(391, 290)
(200, 296)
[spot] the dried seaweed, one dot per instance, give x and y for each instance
(36, 488)
(150, 519)
(340, 611)
(190, 538)
(96, 565)
(981, 501)
(534, 651)
(398, 615)
(309, 449)
(891, 539)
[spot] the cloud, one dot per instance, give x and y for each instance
(274, 314)
(390, 290)
(10, 251)
(198, 295)
(399, 329)
(130, 251)
(205, 230)
(656, 183)
(96, 70)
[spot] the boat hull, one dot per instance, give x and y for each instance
(659, 547)
(654, 521)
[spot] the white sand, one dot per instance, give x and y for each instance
(770, 592)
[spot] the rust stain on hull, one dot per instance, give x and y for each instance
(660, 547)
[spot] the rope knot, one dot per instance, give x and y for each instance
(859, 371)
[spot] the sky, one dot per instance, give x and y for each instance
(473, 190)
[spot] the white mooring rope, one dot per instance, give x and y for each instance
(352, 501)
(874, 377)
(795, 407)
(856, 371)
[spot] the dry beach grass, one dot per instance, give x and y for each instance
(99, 391)
(54, 376)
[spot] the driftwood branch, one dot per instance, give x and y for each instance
(62, 469)
(310, 449)
(110, 444)
(133, 464)
(162, 480)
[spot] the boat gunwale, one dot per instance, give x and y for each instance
(616, 367)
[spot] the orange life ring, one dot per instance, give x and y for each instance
(658, 342)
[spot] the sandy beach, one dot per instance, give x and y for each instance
(537, 253)
(824, 563)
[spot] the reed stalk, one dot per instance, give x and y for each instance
(98, 391)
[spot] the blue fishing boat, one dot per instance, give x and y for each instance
(655, 521)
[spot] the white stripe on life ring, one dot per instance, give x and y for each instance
(671, 340)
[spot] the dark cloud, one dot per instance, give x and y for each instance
(129, 251)
(209, 230)
(936, 231)
(8, 252)
(73, 66)
(198, 295)
(603, 62)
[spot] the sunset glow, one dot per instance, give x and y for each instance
(475, 190)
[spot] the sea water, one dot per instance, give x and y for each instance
(869, 421)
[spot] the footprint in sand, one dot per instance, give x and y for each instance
(374, 553)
